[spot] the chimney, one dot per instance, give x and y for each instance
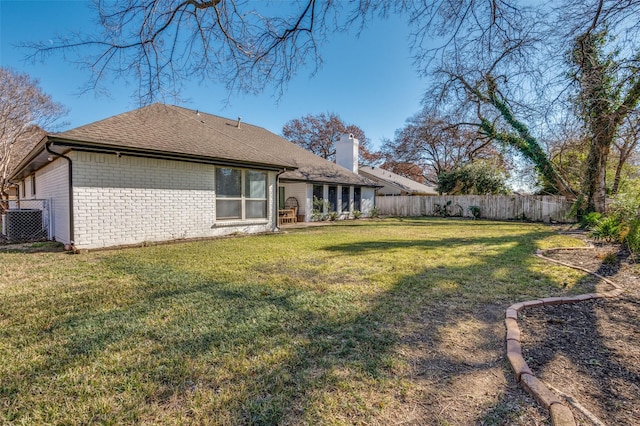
(347, 152)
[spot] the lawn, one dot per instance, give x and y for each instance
(360, 322)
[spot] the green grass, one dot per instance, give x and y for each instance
(302, 327)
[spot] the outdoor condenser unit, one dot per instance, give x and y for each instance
(23, 224)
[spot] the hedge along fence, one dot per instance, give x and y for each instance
(542, 208)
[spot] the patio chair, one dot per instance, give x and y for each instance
(291, 204)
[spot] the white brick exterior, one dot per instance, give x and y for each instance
(52, 183)
(130, 200)
(125, 200)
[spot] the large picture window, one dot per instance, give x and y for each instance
(240, 194)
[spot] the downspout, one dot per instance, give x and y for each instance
(70, 171)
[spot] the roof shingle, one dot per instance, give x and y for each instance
(175, 130)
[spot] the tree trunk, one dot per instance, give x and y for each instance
(596, 175)
(598, 98)
(616, 179)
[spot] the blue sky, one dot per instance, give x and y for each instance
(368, 80)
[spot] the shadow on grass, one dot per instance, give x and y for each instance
(575, 332)
(255, 354)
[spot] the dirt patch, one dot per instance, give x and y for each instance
(590, 351)
(459, 372)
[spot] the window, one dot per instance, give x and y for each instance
(255, 192)
(33, 185)
(280, 198)
(333, 198)
(356, 198)
(228, 193)
(318, 192)
(345, 198)
(234, 203)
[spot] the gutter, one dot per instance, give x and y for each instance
(106, 148)
(47, 146)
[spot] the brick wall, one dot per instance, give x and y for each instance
(130, 200)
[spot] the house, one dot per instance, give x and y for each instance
(164, 172)
(338, 184)
(394, 184)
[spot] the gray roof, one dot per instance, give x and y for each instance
(175, 131)
(402, 183)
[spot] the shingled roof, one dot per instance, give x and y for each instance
(172, 130)
(397, 182)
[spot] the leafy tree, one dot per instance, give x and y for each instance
(319, 134)
(24, 109)
(478, 178)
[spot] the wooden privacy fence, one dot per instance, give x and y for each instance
(543, 208)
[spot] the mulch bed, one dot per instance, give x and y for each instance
(590, 351)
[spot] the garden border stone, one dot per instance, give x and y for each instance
(560, 414)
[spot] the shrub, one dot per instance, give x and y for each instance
(590, 220)
(607, 229)
(357, 214)
(442, 209)
(474, 178)
(375, 212)
(624, 207)
(475, 211)
(320, 206)
(632, 239)
(610, 258)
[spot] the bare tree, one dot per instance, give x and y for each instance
(625, 146)
(435, 144)
(407, 169)
(319, 134)
(241, 44)
(493, 63)
(24, 109)
(247, 46)
(505, 60)
(607, 95)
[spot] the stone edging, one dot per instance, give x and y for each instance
(560, 413)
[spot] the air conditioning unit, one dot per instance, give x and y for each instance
(23, 225)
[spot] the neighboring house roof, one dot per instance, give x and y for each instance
(396, 183)
(175, 132)
(23, 146)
